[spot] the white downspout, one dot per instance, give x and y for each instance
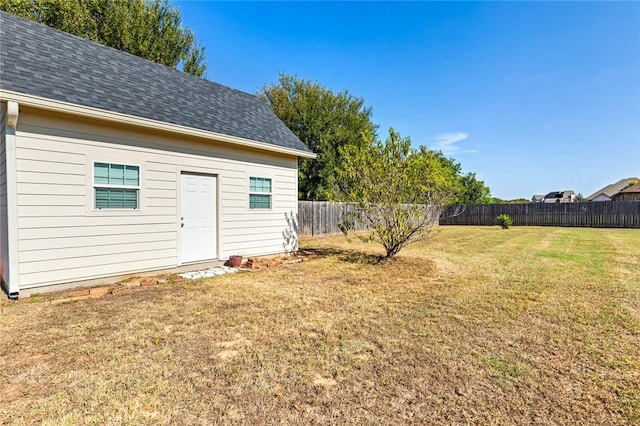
(12, 199)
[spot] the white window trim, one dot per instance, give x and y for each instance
(270, 194)
(94, 186)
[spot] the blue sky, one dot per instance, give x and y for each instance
(532, 97)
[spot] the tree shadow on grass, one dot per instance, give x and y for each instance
(349, 256)
(409, 268)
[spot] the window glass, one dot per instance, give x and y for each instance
(116, 186)
(259, 193)
(257, 201)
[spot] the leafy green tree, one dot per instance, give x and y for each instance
(398, 193)
(473, 191)
(467, 188)
(151, 29)
(194, 63)
(442, 172)
(325, 121)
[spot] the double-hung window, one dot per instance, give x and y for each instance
(116, 186)
(259, 193)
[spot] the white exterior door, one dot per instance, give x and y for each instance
(198, 217)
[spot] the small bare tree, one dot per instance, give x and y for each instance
(398, 193)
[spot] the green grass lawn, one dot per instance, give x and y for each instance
(476, 326)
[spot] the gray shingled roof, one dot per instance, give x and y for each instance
(41, 61)
(614, 188)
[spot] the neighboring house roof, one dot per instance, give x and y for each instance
(614, 188)
(632, 189)
(559, 196)
(40, 61)
(554, 194)
(537, 197)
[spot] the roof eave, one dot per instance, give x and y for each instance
(90, 112)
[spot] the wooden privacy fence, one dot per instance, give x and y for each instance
(321, 217)
(595, 214)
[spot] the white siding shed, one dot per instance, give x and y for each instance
(92, 188)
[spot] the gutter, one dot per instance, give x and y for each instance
(90, 112)
(12, 287)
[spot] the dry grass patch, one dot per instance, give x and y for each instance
(478, 325)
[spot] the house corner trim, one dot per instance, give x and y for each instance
(13, 286)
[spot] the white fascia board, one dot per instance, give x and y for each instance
(90, 112)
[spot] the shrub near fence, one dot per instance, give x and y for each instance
(601, 214)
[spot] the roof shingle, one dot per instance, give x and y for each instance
(614, 188)
(41, 61)
(631, 189)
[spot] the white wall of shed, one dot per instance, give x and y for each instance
(61, 238)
